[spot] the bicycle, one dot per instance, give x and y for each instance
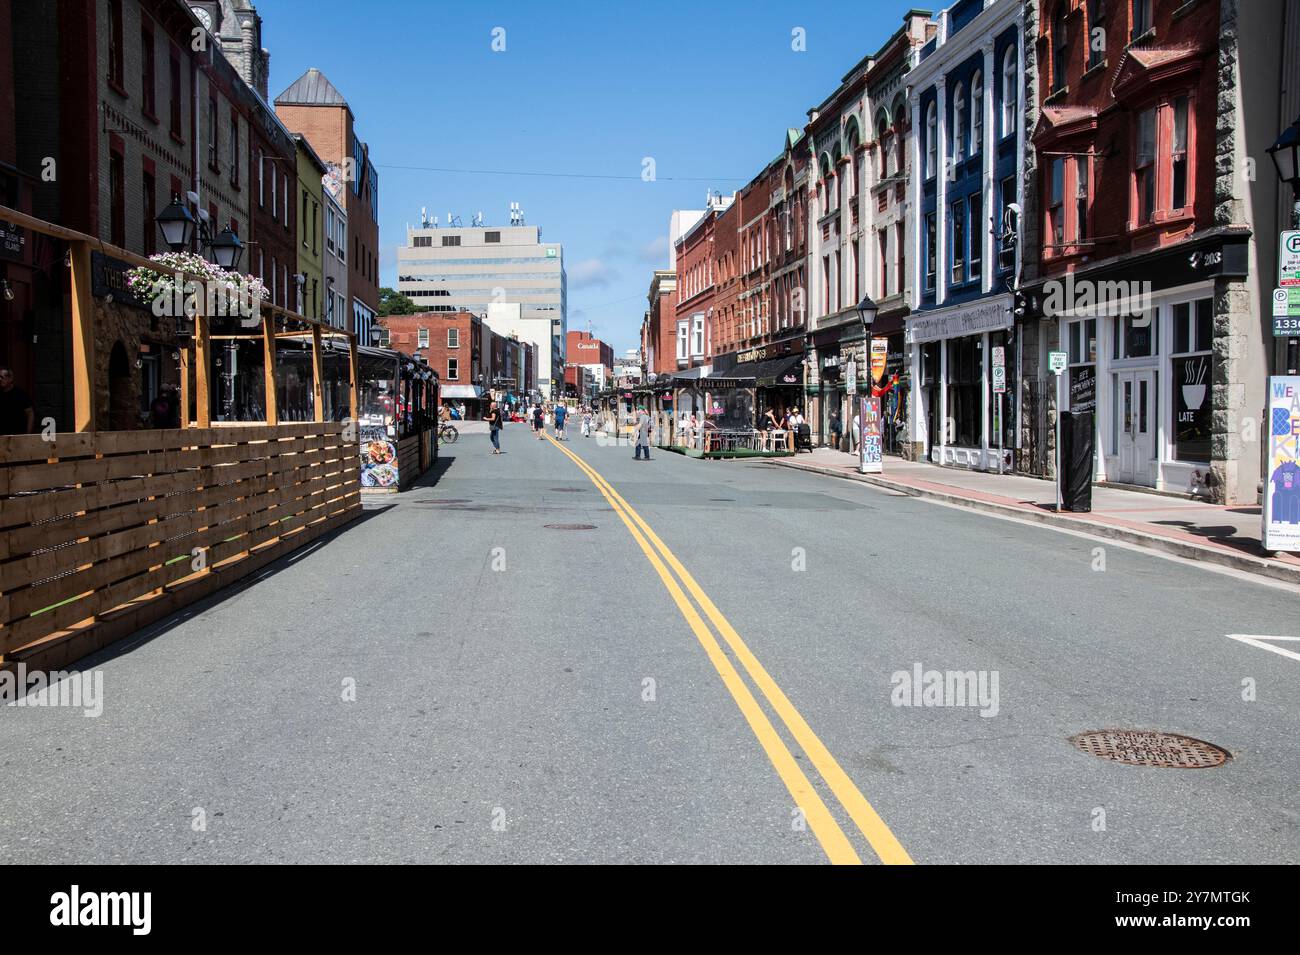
(447, 434)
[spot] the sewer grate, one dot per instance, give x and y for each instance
(1150, 748)
(570, 527)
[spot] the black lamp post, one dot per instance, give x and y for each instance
(177, 224)
(1286, 157)
(226, 250)
(867, 310)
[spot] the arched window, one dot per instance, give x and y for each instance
(1010, 91)
(931, 139)
(977, 113)
(1060, 46)
(958, 123)
(882, 143)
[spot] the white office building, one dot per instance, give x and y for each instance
(454, 268)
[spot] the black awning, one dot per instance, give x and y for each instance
(773, 374)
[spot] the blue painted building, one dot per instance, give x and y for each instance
(970, 114)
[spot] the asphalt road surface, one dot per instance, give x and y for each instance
(708, 673)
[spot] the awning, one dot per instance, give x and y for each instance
(473, 392)
(775, 372)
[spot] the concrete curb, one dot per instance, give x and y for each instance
(1213, 555)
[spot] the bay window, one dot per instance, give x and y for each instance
(1145, 166)
(1056, 202)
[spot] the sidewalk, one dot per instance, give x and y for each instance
(1229, 536)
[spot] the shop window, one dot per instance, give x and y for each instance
(1082, 341)
(965, 386)
(1192, 380)
(1136, 336)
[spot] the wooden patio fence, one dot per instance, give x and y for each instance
(103, 532)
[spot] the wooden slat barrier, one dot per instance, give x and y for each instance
(93, 523)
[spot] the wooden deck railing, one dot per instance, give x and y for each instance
(97, 522)
(102, 532)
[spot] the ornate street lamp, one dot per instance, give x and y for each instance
(177, 224)
(867, 310)
(226, 250)
(1286, 156)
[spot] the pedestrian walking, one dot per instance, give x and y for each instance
(857, 431)
(586, 423)
(643, 428)
(561, 414)
(494, 426)
(837, 428)
(539, 421)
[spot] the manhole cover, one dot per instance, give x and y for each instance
(571, 527)
(569, 490)
(1148, 748)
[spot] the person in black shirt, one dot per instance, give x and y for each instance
(17, 413)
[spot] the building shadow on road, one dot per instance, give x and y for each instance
(161, 627)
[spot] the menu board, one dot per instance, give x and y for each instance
(378, 457)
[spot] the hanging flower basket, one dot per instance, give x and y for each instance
(171, 292)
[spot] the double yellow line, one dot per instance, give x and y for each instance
(832, 838)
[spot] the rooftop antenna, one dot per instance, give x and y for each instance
(478, 219)
(516, 214)
(424, 217)
(453, 220)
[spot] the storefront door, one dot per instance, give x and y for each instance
(1135, 426)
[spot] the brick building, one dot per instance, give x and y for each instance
(457, 345)
(1153, 274)
(104, 134)
(586, 352)
(314, 107)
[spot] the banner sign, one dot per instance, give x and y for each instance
(879, 353)
(870, 446)
(1282, 478)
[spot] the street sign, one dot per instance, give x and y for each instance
(1288, 266)
(999, 370)
(851, 377)
(1286, 312)
(1057, 360)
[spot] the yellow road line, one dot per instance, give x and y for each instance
(828, 832)
(864, 816)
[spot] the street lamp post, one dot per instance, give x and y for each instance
(866, 310)
(1286, 157)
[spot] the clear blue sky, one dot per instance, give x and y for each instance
(706, 89)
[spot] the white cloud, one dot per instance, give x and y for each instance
(590, 273)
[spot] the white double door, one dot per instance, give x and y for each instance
(1136, 413)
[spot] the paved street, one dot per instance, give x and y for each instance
(527, 694)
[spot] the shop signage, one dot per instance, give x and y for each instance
(1288, 266)
(1057, 361)
(999, 370)
(1286, 311)
(1083, 389)
(1193, 417)
(108, 277)
(13, 240)
(872, 461)
(988, 316)
(879, 352)
(1282, 478)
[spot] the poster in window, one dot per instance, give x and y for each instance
(1083, 389)
(1192, 408)
(1282, 478)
